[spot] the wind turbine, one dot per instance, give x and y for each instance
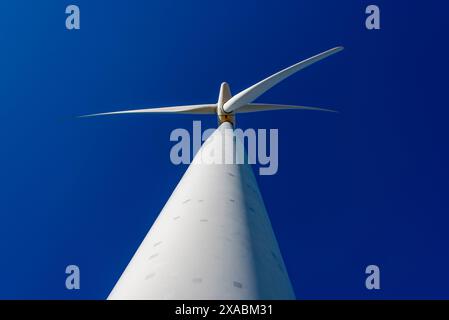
(213, 238)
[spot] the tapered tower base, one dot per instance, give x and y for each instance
(212, 240)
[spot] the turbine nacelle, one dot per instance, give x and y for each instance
(227, 105)
(223, 97)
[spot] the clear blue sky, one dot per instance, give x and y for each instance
(371, 183)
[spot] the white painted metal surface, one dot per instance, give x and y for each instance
(212, 240)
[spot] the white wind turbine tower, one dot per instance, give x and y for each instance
(213, 238)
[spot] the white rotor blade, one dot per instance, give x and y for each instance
(193, 109)
(252, 93)
(255, 107)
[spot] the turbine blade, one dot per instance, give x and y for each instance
(193, 109)
(252, 93)
(255, 107)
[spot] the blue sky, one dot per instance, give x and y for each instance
(366, 186)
